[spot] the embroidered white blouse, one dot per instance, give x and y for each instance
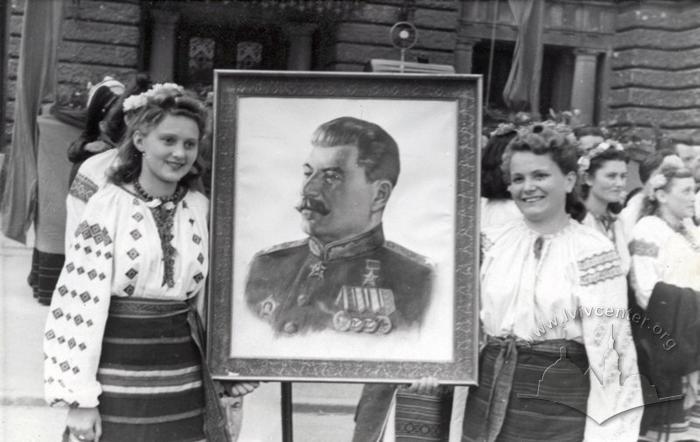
(616, 234)
(567, 285)
(115, 251)
(659, 253)
(91, 176)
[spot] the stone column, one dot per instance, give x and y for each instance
(464, 52)
(583, 88)
(162, 61)
(604, 73)
(301, 40)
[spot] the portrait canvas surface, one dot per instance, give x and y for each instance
(344, 227)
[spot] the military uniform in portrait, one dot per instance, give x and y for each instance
(363, 284)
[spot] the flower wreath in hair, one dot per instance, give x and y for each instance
(560, 134)
(136, 102)
(584, 162)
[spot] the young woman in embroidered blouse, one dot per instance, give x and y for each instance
(547, 284)
(121, 349)
(665, 247)
(603, 170)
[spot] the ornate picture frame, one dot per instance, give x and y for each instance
(392, 302)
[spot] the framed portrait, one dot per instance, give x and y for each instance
(344, 227)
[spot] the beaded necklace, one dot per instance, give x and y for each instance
(164, 216)
(175, 197)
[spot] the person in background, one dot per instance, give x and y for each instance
(134, 274)
(588, 137)
(603, 171)
(665, 277)
(497, 207)
(46, 259)
(101, 98)
(533, 271)
(631, 213)
(92, 173)
(690, 154)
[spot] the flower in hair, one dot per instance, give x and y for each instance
(584, 161)
(560, 128)
(138, 101)
(164, 87)
(134, 102)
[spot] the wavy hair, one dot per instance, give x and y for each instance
(561, 148)
(650, 205)
(157, 107)
(377, 151)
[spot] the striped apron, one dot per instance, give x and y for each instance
(154, 385)
(528, 392)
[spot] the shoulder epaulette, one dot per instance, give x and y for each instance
(283, 246)
(413, 256)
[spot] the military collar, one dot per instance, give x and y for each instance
(346, 248)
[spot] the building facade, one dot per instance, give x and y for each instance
(630, 62)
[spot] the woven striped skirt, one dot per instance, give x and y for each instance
(151, 374)
(528, 392)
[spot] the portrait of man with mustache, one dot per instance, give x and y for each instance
(344, 276)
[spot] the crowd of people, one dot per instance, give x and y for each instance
(560, 232)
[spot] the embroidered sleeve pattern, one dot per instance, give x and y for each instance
(83, 188)
(600, 267)
(639, 247)
(77, 317)
(615, 394)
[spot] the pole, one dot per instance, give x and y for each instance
(287, 406)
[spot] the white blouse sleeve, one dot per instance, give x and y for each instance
(615, 393)
(645, 272)
(81, 190)
(79, 308)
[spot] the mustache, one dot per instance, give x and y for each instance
(308, 203)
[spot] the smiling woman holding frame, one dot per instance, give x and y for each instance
(533, 271)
